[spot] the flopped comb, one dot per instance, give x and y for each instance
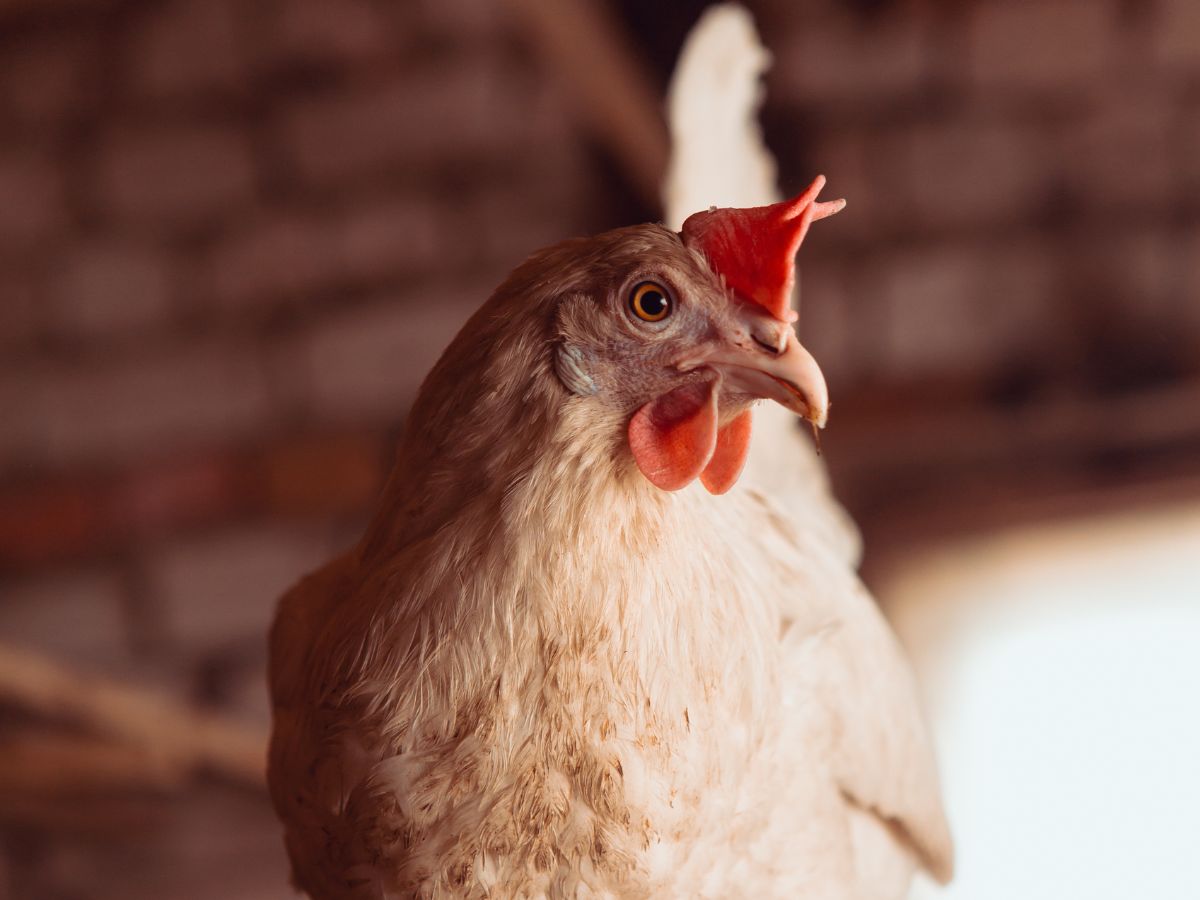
(754, 249)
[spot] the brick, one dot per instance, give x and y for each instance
(108, 288)
(295, 255)
(201, 842)
(1177, 33)
(183, 175)
(1041, 44)
(961, 309)
(1187, 148)
(187, 47)
(24, 7)
(462, 19)
(829, 326)
(34, 206)
(1150, 277)
(541, 112)
(367, 365)
(21, 302)
(965, 172)
(455, 111)
(246, 698)
(281, 257)
(77, 618)
(1187, 293)
(160, 497)
(325, 475)
(504, 223)
(1143, 273)
(315, 32)
(220, 591)
(394, 236)
(49, 522)
(1022, 287)
(1125, 318)
(930, 304)
(19, 431)
(142, 406)
(60, 517)
(841, 58)
(846, 158)
(46, 81)
(224, 846)
(1121, 156)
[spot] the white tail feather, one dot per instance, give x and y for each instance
(717, 153)
(718, 158)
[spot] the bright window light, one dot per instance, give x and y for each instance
(1061, 668)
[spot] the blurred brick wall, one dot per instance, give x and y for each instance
(235, 233)
(1024, 180)
(233, 236)
(1018, 272)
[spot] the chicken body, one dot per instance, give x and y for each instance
(538, 675)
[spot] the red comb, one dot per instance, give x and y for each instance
(754, 249)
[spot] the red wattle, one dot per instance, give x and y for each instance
(729, 457)
(673, 437)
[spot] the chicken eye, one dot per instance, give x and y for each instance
(650, 302)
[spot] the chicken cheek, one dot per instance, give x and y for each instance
(729, 457)
(674, 436)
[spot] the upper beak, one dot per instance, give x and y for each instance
(768, 361)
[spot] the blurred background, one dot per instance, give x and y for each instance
(234, 234)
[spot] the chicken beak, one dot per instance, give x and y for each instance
(767, 361)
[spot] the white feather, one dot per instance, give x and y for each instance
(552, 686)
(719, 159)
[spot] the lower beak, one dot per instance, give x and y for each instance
(790, 377)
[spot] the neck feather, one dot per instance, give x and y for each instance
(516, 538)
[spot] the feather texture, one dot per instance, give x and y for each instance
(538, 675)
(719, 159)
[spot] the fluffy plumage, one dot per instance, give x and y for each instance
(539, 675)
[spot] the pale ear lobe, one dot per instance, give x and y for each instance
(729, 457)
(673, 437)
(571, 367)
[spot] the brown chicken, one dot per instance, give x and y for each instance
(579, 651)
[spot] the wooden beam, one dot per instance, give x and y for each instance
(41, 764)
(178, 739)
(911, 430)
(610, 90)
(915, 468)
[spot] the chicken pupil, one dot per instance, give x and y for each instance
(653, 303)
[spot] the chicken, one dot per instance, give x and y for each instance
(598, 641)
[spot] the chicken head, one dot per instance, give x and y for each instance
(695, 328)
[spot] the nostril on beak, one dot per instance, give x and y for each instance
(770, 348)
(772, 337)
